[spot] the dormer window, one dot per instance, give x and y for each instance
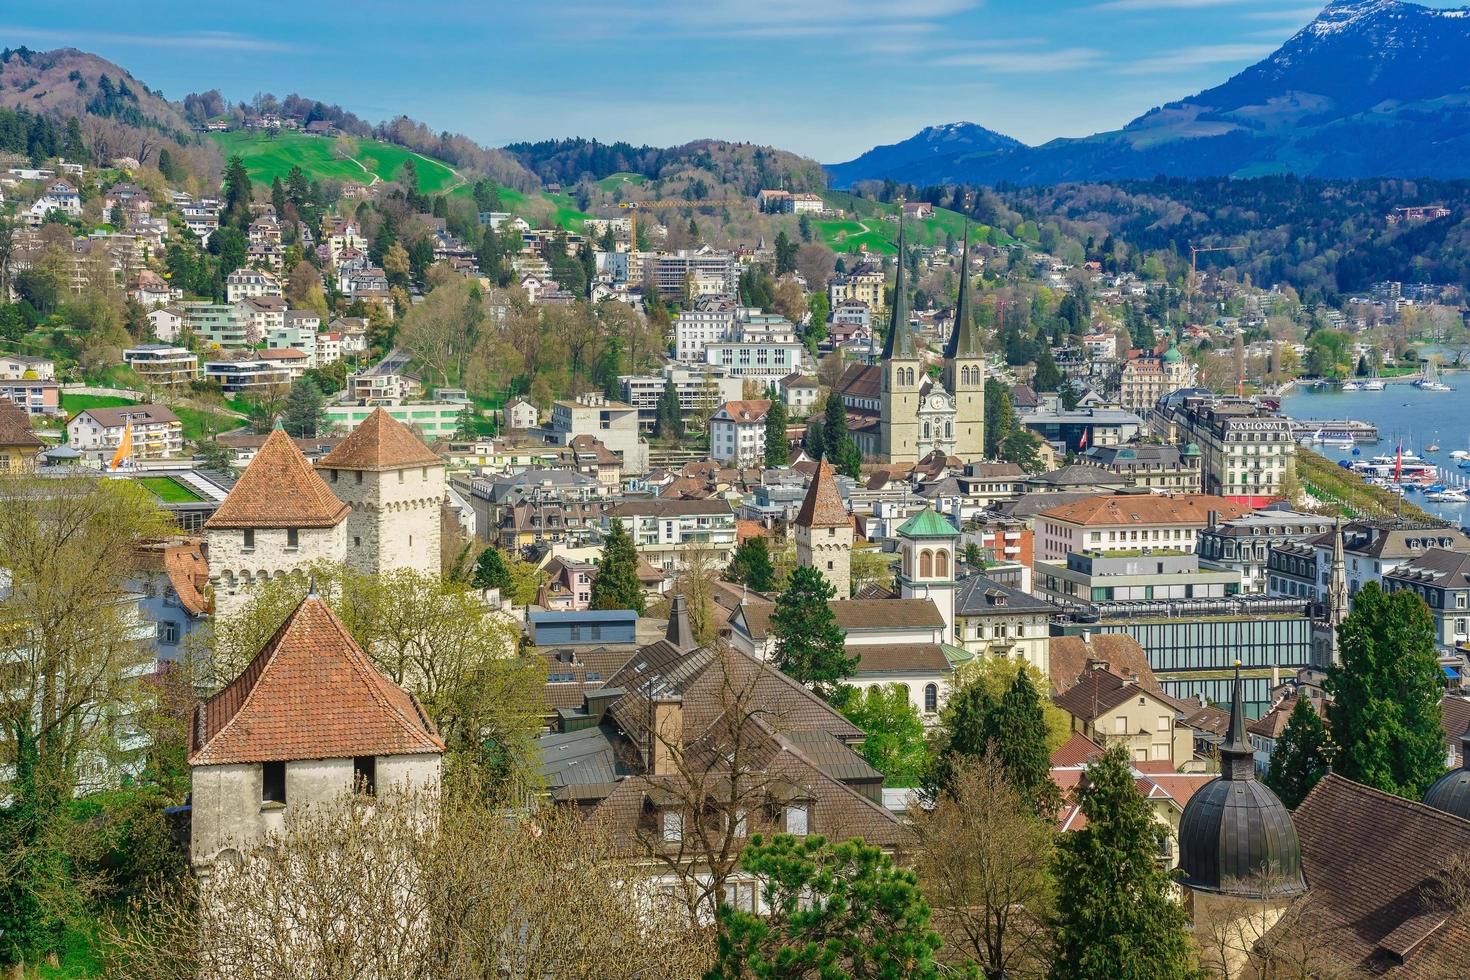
(798, 819)
(673, 826)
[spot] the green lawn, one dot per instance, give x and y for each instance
(72, 404)
(269, 157)
(169, 490)
(611, 181)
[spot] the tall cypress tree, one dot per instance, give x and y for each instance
(809, 646)
(1298, 762)
(835, 428)
(964, 730)
(1018, 729)
(778, 451)
(1385, 710)
(616, 585)
(751, 565)
(1116, 916)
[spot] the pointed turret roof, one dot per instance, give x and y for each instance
(900, 342)
(310, 693)
(1237, 758)
(964, 339)
(279, 489)
(927, 524)
(380, 442)
(823, 506)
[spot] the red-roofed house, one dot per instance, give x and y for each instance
(309, 719)
(1167, 792)
(737, 432)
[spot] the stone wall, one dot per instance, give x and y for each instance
(829, 551)
(234, 569)
(395, 518)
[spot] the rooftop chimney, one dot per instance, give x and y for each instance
(680, 633)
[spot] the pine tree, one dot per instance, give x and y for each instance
(278, 196)
(835, 425)
(809, 646)
(305, 414)
(1116, 914)
(491, 571)
(74, 149)
(1018, 731)
(778, 451)
(1298, 761)
(849, 459)
(1385, 709)
(617, 585)
(1048, 377)
(816, 438)
(237, 194)
(668, 423)
(964, 730)
(751, 565)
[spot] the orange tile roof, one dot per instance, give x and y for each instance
(1132, 509)
(823, 505)
(310, 693)
(279, 489)
(380, 442)
(188, 574)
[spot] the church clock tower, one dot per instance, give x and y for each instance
(964, 369)
(903, 370)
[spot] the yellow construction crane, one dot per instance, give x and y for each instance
(633, 207)
(1195, 251)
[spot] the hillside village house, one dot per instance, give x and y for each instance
(36, 397)
(1112, 710)
(156, 431)
(245, 284)
(23, 367)
(995, 620)
(18, 441)
(308, 721)
(613, 423)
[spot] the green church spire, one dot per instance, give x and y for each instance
(964, 338)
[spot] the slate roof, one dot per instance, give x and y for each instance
(137, 414)
(896, 658)
(823, 506)
(310, 693)
(279, 489)
(1078, 475)
(978, 595)
(380, 442)
(1096, 692)
(1370, 859)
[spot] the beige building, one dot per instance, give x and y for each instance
(395, 487)
(614, 424)
(1129, 525)
(309, 720)
(1111, 710)
(824, 531)
(994, 620)
(1149, 377)
(278, 518)
(863, 284)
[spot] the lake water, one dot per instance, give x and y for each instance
(1401, 412)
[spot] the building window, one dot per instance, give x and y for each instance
(931, 698)
(797, 820)
(673, 826)
(365, 775)
(273, 782)
(356, 541)
(249, 539)
(293, 538)
(1166, 722)
(168, 633)
(358, 474)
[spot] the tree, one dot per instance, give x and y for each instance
(617, 585)
(237, 194)
(305, 414)
(835, 910)
(1298, 760)
(1048, 377)
(895, 733)
(983, 860)
(999, 416)
(835, 420)
(668, 423)
(464, 895)
(786, 251)
(849, 459)
(809, 646)
(1385, 694)
(1012, 726)
(491, 571)
(751, 565)
(1116, 915)
(778, 450)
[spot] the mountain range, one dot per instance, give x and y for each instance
(1370, 88)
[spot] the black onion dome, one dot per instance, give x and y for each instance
(1451, 792)
(1235, 836)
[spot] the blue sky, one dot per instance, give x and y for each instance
(827, 78)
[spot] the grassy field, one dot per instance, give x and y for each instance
(169, 490)
(72, 404)
(269, 157)
(198, 423)
(871, 224)
(611, 181)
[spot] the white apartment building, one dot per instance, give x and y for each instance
(614, 424)
(242, 377)
(763, 362)
(156, 432)
(293, 337)
(328, 349)
(702, 271)
(663, 529)
(162, 364)
(719, 319)
(227, 325)
(1129, 524)
(249, 283)
(737, 433)
(700, 389)
(265, 314)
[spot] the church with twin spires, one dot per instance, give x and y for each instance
(900, 414)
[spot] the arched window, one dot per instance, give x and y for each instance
(926, 428)
(931, 698)
(948, 429)
(926, 564)
(941, 563)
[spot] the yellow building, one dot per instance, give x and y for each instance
(18, 442)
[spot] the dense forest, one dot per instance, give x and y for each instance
(746, 166)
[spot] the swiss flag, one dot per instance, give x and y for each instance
(1082, 443)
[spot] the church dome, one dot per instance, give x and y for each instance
(1236, 837)
(1451, 792)
(1172, 355)
(1192, 449)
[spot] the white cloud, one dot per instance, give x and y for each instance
(196, 40)
(1197, 56)
(1126, 5)
(1025, 62)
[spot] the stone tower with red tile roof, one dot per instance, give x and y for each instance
(824, 531)
(395, 487)
(278, 518)
(307, 721)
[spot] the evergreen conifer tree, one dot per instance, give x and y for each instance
(1116, 914)
(1298, 762)
(778, 452)
(1018, 731)
(617, 585)
(751, 565)
(491, 572)
(1385, 710)
(809, 646)
(305, 413)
